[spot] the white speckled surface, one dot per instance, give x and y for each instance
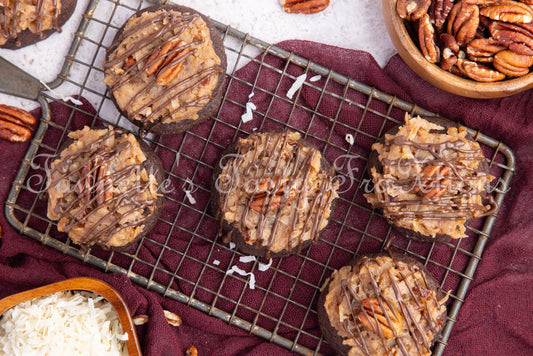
(355, 24)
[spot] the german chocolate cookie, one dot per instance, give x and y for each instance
(274, 193)
(103, 189)
(382, 305)
(166, 69)
(430, 177)
(24, 22)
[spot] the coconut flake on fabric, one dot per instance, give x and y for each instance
(296, 85)
(349, 138)
(247, 259)
(188, 189)
(264, 266)
(244, 274)
(248, 115)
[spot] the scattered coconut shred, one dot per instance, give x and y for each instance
(296, 85)
(64, 323)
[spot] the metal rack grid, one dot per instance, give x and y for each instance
(177, 258)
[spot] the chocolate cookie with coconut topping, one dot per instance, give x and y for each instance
(274, 193)
(24, 22)
(430, 177)
(166, 69)
(103, 189)
(382, 305)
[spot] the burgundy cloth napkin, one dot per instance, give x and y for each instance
(496, 318)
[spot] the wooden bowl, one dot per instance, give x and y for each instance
(442, 79)
(83, 284)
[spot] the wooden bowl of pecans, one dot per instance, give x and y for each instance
(475, 48)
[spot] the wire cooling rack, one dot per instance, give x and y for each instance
(179, 258)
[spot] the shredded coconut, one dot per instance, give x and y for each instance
(243, 273)
(296, 85)
(63, 323)
(232, 245)
(64, 98)
(247, 259)
(349, 138)
(248, 115)
(315, 78)
(264, 266)
(216, 262)
(188, 191)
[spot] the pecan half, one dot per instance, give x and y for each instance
(463, 22)
(450, 50)
(412, 10)
(304, 6)
(95, 182)
(478, 72)
(166, 62)
(426, 37)
(270, 192)
(512, 64)
(441, 10)
(517, 37)
(15, 124)
(433, 182)
(168, 75)
(483, 49)
(380, 321)
(104, 187)
(508, 11)
(448, 41)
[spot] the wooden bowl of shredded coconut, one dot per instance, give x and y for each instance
(79, 316)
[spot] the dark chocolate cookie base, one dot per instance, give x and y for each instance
(330, 333)
(152, 164)
(373, 162)
(26, 37)
(233, 230)
(175, 128)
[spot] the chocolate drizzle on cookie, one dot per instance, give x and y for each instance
(159, 67)
(12, 12)
(94, 182)
(430, 177)
(447, 195)
(276, 190)
(397, 326)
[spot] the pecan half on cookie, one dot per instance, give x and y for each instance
(429, 178)
(381, 305)
(103, 189)
(274, 193)
(24, 22)
(166, 69)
